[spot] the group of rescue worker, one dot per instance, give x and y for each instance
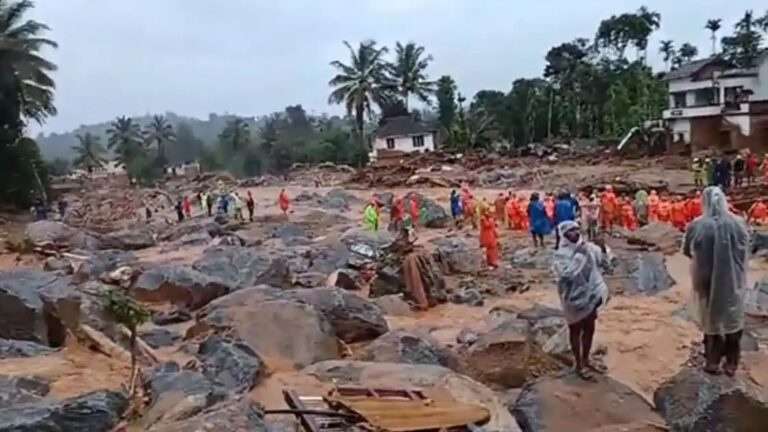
(221, 202)
(728, 173)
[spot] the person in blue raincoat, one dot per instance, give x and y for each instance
(456, 210)
(540, 224)
(564, 211)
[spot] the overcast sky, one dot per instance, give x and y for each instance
(253, 57)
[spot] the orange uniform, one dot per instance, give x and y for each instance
(664, 211)
(653, 206)
(758, 212)
(489, 239)
(694, 207)
(468, 207)
(628, 219)
(609, 208)
(283, 202)
(512, 216)
(414, 210)
(522, 211)
(678, 214)
(500, 205)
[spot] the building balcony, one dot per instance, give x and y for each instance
(692, 111)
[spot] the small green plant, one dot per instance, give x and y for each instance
(127, 312)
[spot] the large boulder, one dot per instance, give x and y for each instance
(62, 235)
(190, 227)
(240, 266)
(129, 239)
(178, 394)
(231, 363)
(103, 262)
(438, 383)
(403, 346)
(532, 258)
(290, 233)
(97, 411)
(431, 214)
(159, 337)
(236, 414)
(20, 389)
(37, 306)
(180, 285)
(275, 327)
(10, 348)
(459, 254)
(61, 265)
(505, 357)
(695, 401)
(566, 402)
(657, 236)
(641, 273)
(339, 199)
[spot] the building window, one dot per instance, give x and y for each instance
(418, 141)
(705, 96)
(390, 143)
(678, 100)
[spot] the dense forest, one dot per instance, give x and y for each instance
(591, 87)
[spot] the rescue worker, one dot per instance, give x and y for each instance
(540, 224)
(581, 289)
(522, 211)
(640, 205)
(237, 205)
(678, 214)
(709, 166)
(413, 209)
(179, 210)
(758, 213)
(396, 214)
(513, 215)
(564, 211)
(699, 172)
(751, 167)
(738, 171)
(187, 204)
(628, 219)
(250, 204)
(468, 206)
(717, 243)
(370, 217)
(694, 206)
(591, 217)
(664, 211)
(549, 206)
(455, 206)
(608, 208)
(500, 205)
(283, 202)
(653, 206)
(489, 239)
(480, 206)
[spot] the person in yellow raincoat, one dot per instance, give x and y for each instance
(370, 218)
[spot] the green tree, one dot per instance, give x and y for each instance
(687, 52)
(408, 71)
(89, 152)
(361, 83)
(187, 147)
(236, 136)
(160, 133)
(446, 103)
(125, 311)
(58, 167)
(713, 25)
(125, 139)
(743, 46)
(26, 93)
(667, 49)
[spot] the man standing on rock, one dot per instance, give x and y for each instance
(581, 288)
(717, 243)
(414, 210)
(283, 202)
(540, 225)
(250, 203)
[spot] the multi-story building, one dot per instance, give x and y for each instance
(716, 106)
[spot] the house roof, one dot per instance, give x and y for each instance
(690, 69)
(401, 126)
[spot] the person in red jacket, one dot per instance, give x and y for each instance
(186, 204)
(413, 208)
(396, 214)
(489, 239)
(678, 214)
(758, 213)
(283, 202)
(750, 167)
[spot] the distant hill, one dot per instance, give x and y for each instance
(60, 145)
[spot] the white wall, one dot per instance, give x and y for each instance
(761, 92)
(405, 143)
(681, 126)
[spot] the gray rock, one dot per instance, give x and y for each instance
(532, 258)
(103, 262)
(60, 234)
(192, 226)
(467, 296)
(605, 403)
(178, 394)
(347, 280)
(457, 255)
(695, 401)
(53, 264)
(342, 194)
(327, 258)
(159, 337)
(757, 300)
(232, 363)
(174, 316)
(467, 337)
(307, 197)
(97, 411)
(393, 305)
(385, 198)
(20, 389)
(658, 236)
(10, 348)
(431, 214)
(290, 233)
(236, 414)
(402, 346)
(184, 287)
(198, 238)
(37, 306)
(355, 238)
(242, 267)
(641, 273)
(129, 239)
(388, 282)
(759, 242)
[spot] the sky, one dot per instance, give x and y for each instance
(254, 57)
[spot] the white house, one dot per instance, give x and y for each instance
(714, 105)
(403, 134)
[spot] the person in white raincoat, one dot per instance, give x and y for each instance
(581, 288)
(717, 243)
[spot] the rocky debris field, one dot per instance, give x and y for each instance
(239, 311)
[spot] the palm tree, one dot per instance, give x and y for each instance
(125, 139)
(90, 152)
(236, 134)
(24, 73)
(409, 72)
(713, 26)
(361, 83)
(667, 49)
(687, 52)
(161, 133)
